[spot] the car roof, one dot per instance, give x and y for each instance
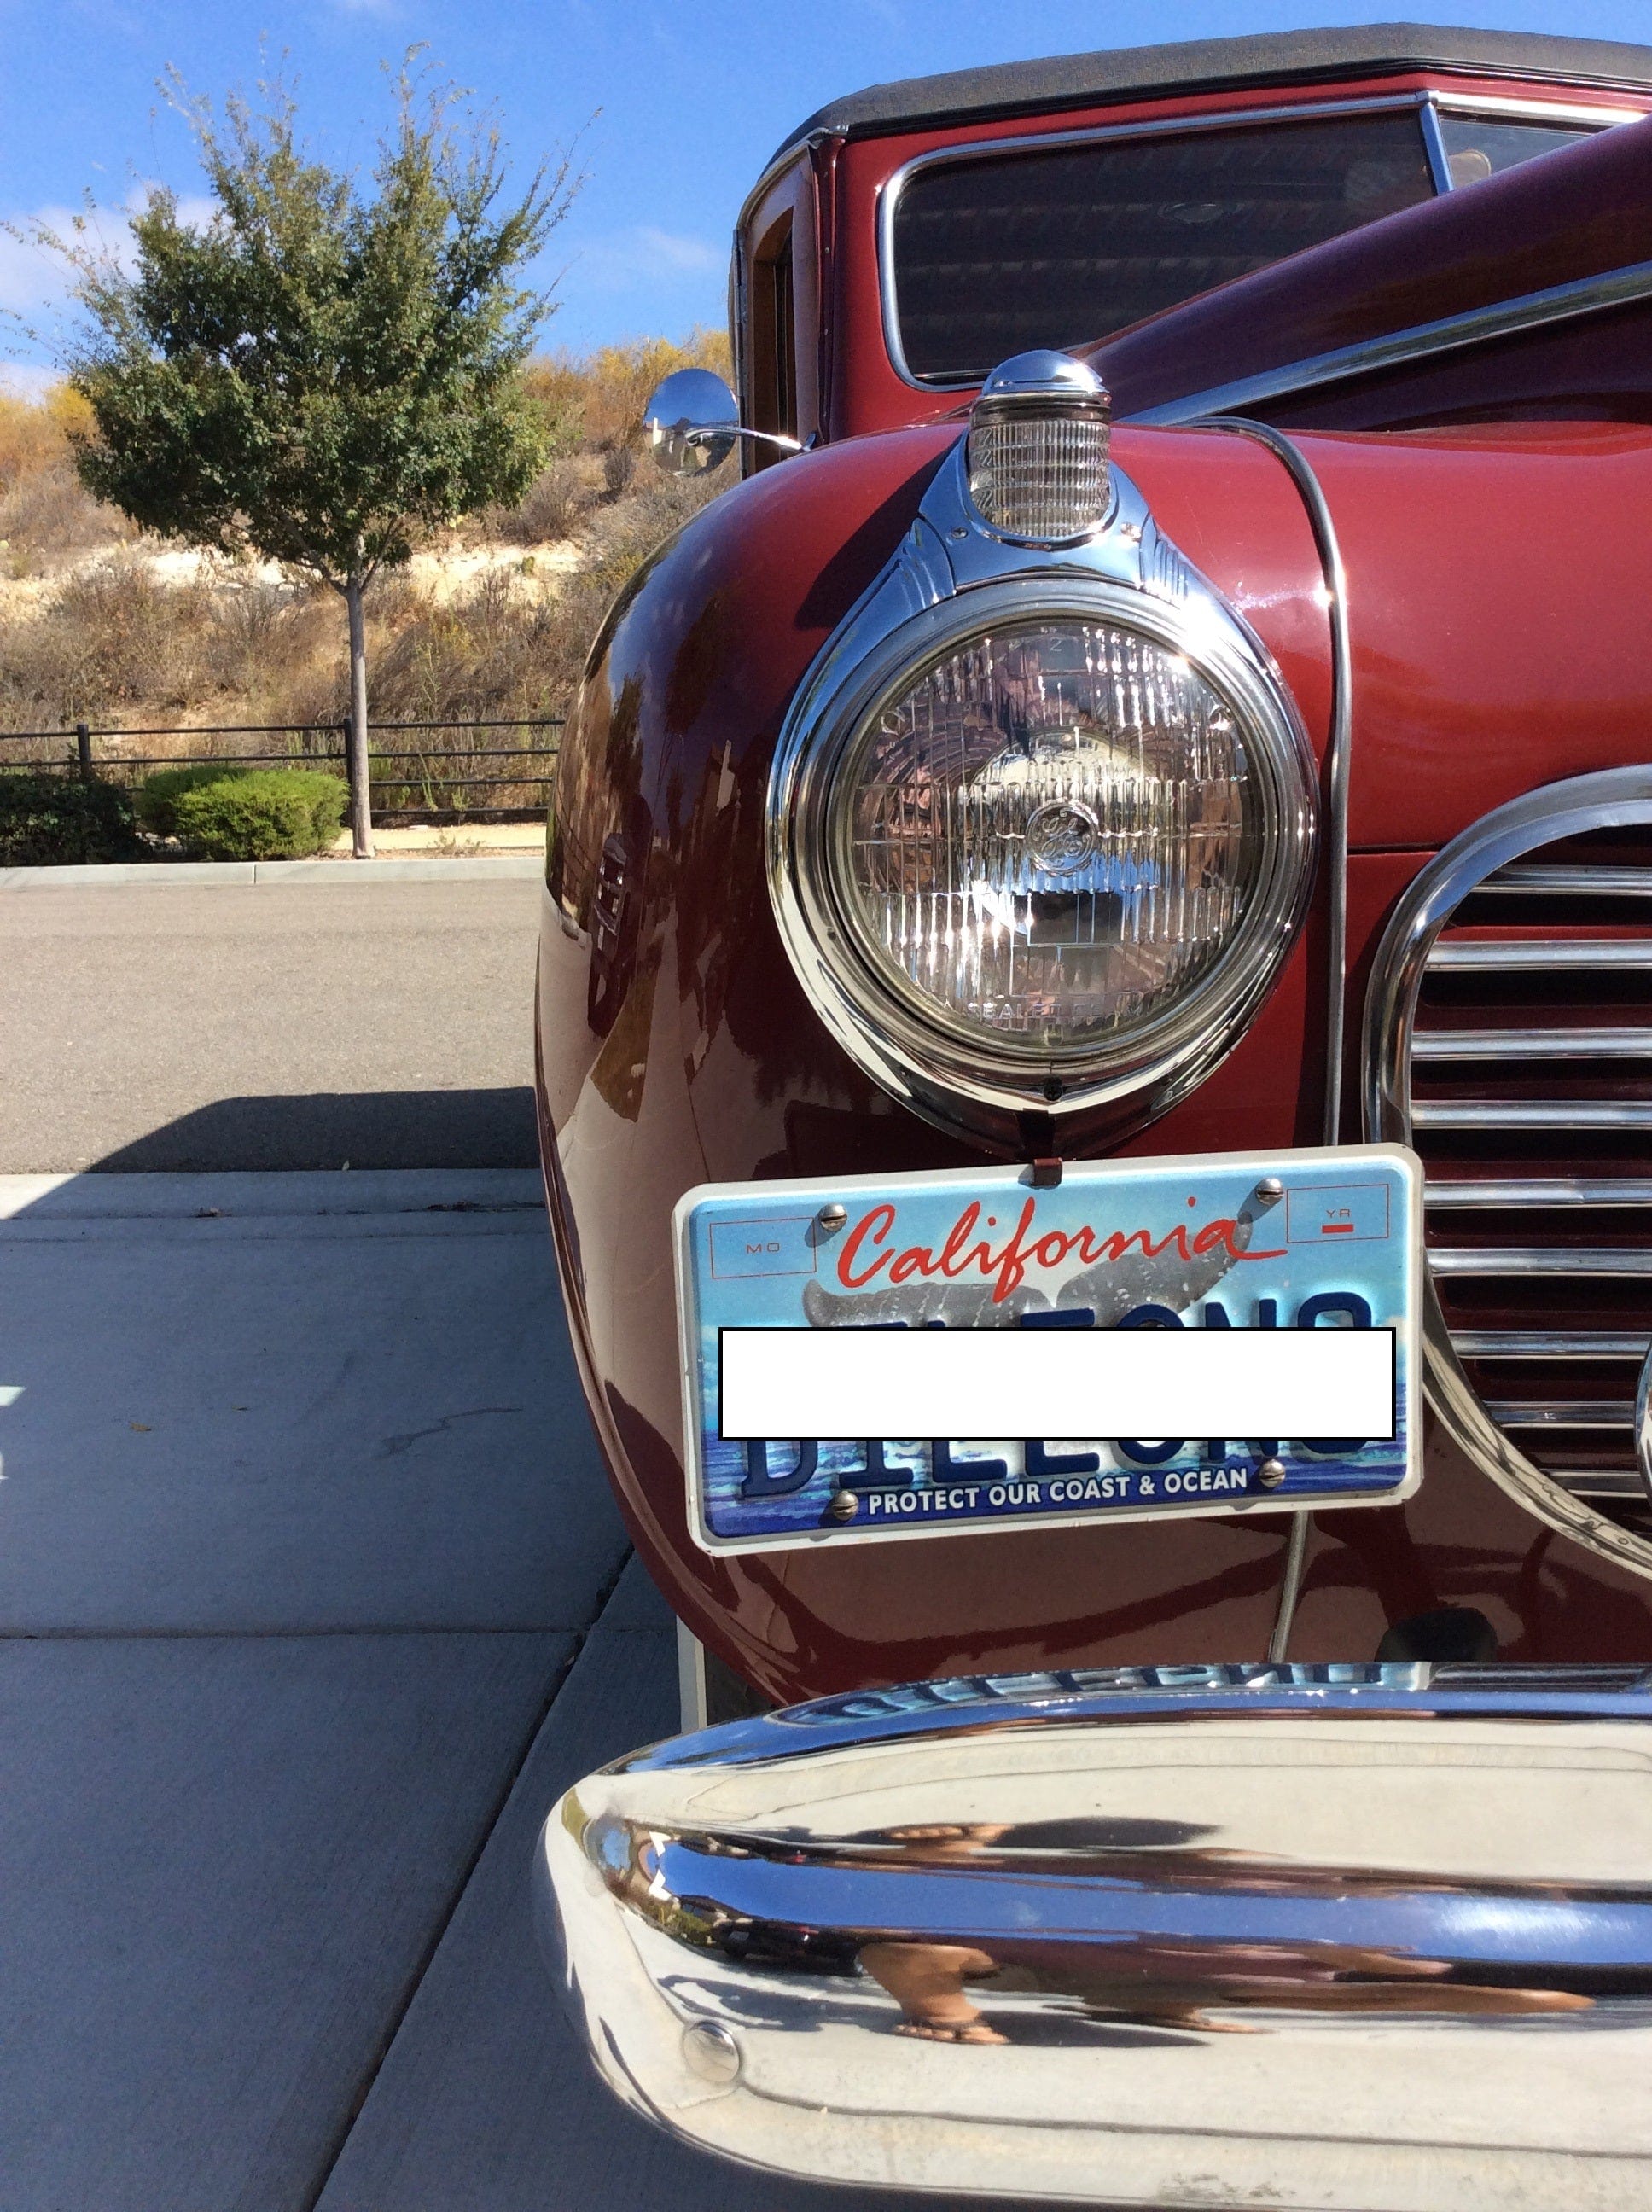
(1216, 65)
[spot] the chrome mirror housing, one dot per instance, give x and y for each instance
(1374, 1939)
(691, 422)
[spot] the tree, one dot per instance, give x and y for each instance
(319, 374)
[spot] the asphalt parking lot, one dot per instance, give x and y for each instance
(295, 1015)
(312, 1599)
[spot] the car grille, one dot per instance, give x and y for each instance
(1531, 1108)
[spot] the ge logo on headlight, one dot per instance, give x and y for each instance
(1062, 835)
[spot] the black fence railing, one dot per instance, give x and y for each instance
(451, 771)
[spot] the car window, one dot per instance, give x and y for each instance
(1477, 148)
(996, 254)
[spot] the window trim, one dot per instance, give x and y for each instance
(1429, 103)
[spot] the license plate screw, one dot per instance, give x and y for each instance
(1270, 1473)
(1270, 1190)
(843, 1506)
(832, 1217)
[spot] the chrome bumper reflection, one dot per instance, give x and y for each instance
(1372, 1939)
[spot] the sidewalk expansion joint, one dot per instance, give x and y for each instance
(410, 1988)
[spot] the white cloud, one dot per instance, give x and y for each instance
(33, 281)
(31, 276)
(627, 260)
(678, 252)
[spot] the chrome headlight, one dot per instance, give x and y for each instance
(1046, 842)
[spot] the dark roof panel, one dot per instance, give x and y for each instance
(1205, 65)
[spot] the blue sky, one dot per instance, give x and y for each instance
(674, 108)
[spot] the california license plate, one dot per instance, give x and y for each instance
(1270, 1304)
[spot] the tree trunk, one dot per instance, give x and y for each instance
(357, 754)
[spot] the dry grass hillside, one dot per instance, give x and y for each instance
(101, 625)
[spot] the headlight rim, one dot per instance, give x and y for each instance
(966, 1078)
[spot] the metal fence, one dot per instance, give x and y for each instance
(482, 771)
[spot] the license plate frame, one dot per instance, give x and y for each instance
(1346, 1228)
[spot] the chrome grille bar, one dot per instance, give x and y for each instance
(1616, 1262)
(1600, 1482)
(1531, 1113)
(1490, 955)
(1512, 931)
(1570, 1190)
(1531, 1044)
(1561, 1412)
(1548, 1344)
(1551, 881)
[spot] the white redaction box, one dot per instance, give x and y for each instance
(1099, 1384)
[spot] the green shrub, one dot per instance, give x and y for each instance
(273, 814)
(158, 796)
(54, 819)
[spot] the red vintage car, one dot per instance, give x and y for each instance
(1105, 887)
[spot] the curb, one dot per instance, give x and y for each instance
(223, 875)
(241, 1193)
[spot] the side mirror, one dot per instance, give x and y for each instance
(692, 422)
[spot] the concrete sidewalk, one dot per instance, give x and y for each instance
(300, 1527)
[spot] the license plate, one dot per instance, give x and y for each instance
(1244, 1246)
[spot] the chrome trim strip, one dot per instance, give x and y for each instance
(1339, 750)
(1550, 1344)
(1584, 295)
(1177, 1935)
(1439, 160)
(1339, 742)
(1531, 1044)
(1502, 107)
(1607, 1261)
(1529, 1114)
(1570, 882)
(1613, 798)
(1568, 1190)
(1000, 1707)
(1484, 956)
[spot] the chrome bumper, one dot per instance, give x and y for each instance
(1363, 1939)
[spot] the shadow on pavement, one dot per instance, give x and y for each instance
(334, 1129)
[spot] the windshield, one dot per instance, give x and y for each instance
(995, 254)
(998, 254)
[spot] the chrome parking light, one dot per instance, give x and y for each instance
(1037, 450)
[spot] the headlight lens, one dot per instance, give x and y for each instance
(1040, 843)
(1049, 835)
